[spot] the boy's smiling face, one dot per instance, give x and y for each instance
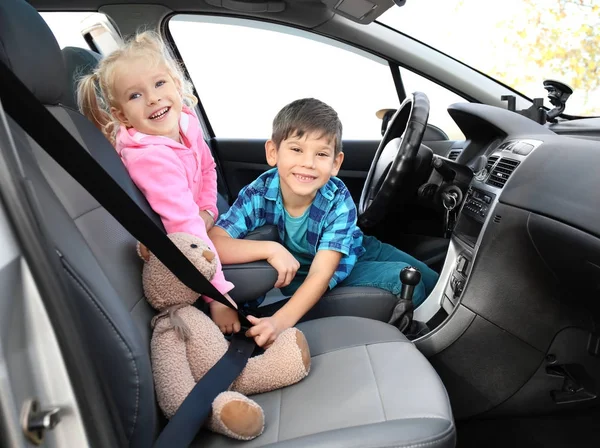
(304, 164)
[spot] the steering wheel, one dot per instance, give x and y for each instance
(394, 161)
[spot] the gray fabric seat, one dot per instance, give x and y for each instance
(368, 386)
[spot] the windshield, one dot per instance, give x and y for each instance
(518, 42)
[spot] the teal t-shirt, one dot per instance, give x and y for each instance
(295, 241)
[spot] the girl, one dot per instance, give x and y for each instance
(139, 98)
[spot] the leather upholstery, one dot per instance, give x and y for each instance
(252, 280)
(368, 384)
(372, 303)
(102, 272)
(79, 62)
(28, 47)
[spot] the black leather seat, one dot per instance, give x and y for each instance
(369, 386)
(79, 62)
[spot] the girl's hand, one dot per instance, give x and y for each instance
(264, 331)
(209, 222)
(224, 317)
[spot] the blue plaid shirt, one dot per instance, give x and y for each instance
(331, 219)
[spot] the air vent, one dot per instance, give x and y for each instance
(490, 163)
(454, 154)
(502, 172)
(497, 219)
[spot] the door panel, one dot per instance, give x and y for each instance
(32, 365)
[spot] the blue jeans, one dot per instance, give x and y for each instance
(380, 266)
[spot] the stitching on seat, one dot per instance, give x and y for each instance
(433, 442)
(337, 295)
(103, 314)
(279, 419)
(442, 439)
(445, 435)
(141, 299)
(376, 384)
(87, 211)
(362, 344)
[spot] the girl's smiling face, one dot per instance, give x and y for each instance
(147, 98)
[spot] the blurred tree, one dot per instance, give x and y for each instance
(559, 38)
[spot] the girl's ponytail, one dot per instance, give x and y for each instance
(91, 105)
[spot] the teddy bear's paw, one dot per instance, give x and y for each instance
(294, 339)
(302, 344)
(236, 416)
(285, 363)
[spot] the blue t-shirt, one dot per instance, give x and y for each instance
(295, 240)
(330, 219)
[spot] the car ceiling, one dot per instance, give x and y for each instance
(316, 16)
(309, 13)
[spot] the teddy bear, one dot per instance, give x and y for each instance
(186, 343)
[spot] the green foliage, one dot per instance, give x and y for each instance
(559, 38)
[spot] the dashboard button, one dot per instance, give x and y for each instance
(524, 149)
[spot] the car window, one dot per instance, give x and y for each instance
(66, 27)
(439, 100)
(80, 29)
(248, 70)
(245, 71)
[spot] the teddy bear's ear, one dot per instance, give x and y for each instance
(143, 252)
(210, 256)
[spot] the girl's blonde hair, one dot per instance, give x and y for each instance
(95, 91)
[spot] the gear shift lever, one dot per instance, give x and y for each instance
(410, 277)
(402, 314)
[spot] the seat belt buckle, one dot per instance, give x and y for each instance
(245, 324)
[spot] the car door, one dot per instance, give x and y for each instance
(245, 71)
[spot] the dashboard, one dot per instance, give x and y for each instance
(519, 288)
(522, 164)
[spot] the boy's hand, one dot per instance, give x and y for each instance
(209, 222)
(226, 319)
(264, 331)
(285, 264)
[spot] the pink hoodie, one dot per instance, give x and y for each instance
(177, 181)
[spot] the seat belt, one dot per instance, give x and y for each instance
(33, 117)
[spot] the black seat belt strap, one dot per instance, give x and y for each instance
(20, 103)
(183, 426)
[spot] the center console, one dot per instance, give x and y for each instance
(477, 205)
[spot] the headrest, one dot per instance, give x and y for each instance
(30, 50)
(79, 62)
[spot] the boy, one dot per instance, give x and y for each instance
(321, 245)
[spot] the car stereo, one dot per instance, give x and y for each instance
(477, 204)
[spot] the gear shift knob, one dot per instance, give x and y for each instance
(410, 277)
